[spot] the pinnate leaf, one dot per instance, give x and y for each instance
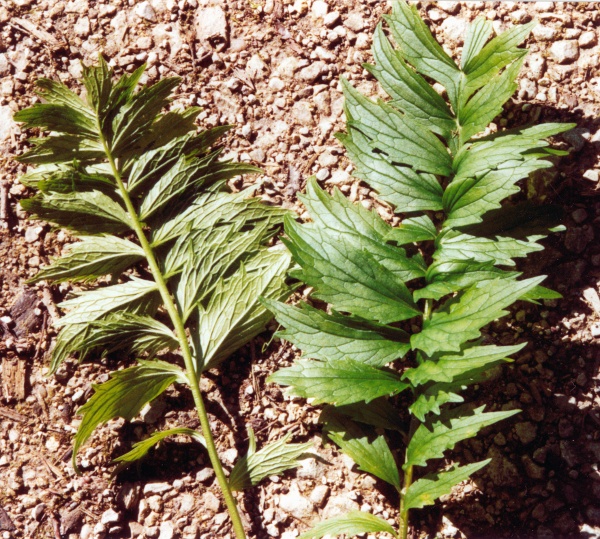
(350, 524)
(368, 449)
(429, 488)
(338, 381)
(140, 449)
(433, 438)
(124, 395)
(337, 337)
(273, 459)
(463, 317)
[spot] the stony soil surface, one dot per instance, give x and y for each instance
(271, 67)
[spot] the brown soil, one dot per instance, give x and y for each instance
(272, 70)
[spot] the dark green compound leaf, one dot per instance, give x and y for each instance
(409, 91)
(447, 367)
(398, 185)
(413, 230)
(338, 381)
(462, 318)
(403, 142)
(124, 395)
(351, 524)
(428, 489)
(347, 276)
(433, 438)
(334, 336)
(378, 413)
(478, 34)
(369, 450)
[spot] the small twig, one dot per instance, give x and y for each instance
(11, 414)
(3, 201)
(50, 306)
(36, 31)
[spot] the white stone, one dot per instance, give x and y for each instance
(565, 51)
(587, 39)
(211, 24)
(331, 19)
(339, 177)
(354, 21)
(544, 33)
(319, 8)
(256, 67)
(311, 72)
(211, 502)
(82, 27)
(110, 516)
(156, 488)
(339, 505)
(287, 67)
(276, 84)
(449, 7)
(32, 233)
(86, 531)
(324, 54)
(186, 502)
(537, 65)
(455, 29)
(145, 11)
(166, 530)
(302, 112)
(296, 504)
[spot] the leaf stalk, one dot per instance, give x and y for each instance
(192, 376)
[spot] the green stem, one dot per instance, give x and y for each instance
(188, 359)
(408, 474)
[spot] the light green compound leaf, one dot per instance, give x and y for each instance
(397, 185)
(338, 381)
(450, 366)
(346, 275)
(429, 488)
(273, 459)
(408, 143)
(58, 94)
(87, 212)
(433, 438)
(122, 330)
(351, 524)
(136, 296)
(338, 213)
(62, 149)
(369, 450)
(234, 314)
(59, 119)
(438, 394)
(124, 395)
(91, 258)
(208, 255)
(137, 114)
(540, 292)
(148, 168)
(140, 449)
(461, 319)
(409, 91)
(333, 336)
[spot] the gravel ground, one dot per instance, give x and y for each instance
(271, 68)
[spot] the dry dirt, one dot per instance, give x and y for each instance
(271, 67)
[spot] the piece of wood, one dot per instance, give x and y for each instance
(5, 522)
(37, 32)
(13, 379)
(11, 414)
